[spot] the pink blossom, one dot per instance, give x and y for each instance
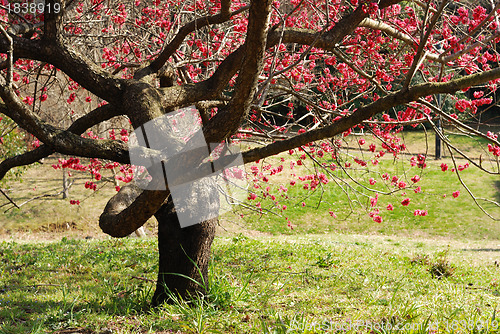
(406, 202)
(420, 213)
(456, 194)
(390, 207)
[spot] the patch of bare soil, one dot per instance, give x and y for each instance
(74, 331)
(58, 227)
(70, 230)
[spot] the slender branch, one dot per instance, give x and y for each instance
(476, 29)
(418, 58)
(471, 47)
(474, 198)
(364, 113)
(458, 123)
(393, 32)
(224, 15)
(9, 199)
(38, 197)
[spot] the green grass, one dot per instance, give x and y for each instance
(438, 272)
(258, 285)
(447, 216)
(49, 212)
(349, 201)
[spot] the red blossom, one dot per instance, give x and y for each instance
(420, 213)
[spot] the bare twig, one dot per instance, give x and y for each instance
(10, 199)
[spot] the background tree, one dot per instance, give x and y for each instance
(293, 74)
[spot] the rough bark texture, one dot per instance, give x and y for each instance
(183, 252)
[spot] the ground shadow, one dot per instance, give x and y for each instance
(497, 187)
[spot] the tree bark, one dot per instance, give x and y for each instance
(65, 193)
(184, 256)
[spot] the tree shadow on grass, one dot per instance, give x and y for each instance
(27, 315)
(481, 249)
(496, 184)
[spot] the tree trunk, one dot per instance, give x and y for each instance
(65, 193)
(183, 251)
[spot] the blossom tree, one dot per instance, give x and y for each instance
(299, 76)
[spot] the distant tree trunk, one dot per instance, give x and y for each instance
(184, 253)
(65, 193)
(140, 232)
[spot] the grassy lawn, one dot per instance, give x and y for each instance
(275, 284)
(331, 273)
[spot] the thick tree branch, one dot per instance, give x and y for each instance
(129, 209)
(52, 20)
(326, 41)
(85, 122)
(64, 141)
(366, 112)
(230, 117)
(85, 72)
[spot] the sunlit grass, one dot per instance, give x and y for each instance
(258, 285)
